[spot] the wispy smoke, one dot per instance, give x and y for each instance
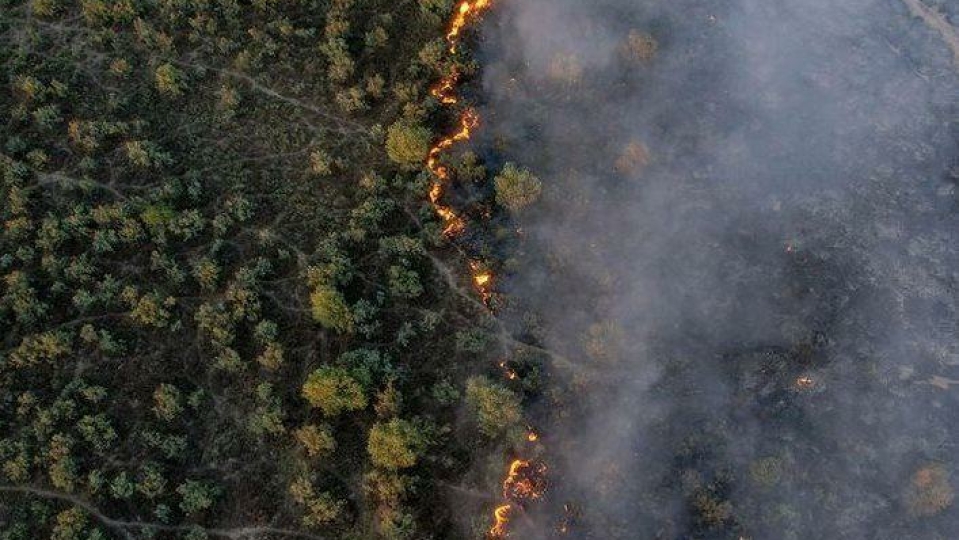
(748, 247)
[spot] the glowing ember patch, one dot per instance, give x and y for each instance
(525, 482)
(483, 281)
(445, 89)
(508, 371)
(454, 227)
(501, 520)
(436, 191)
(805, 383)
(567, 520)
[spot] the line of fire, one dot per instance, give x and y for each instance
(525, 480)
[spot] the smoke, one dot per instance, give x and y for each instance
(747, 251)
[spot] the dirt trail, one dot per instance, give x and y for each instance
(123, 528)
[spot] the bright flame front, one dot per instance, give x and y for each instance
(525, 481)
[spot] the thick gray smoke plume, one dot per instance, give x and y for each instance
(747, 250)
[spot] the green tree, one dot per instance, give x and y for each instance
(63, 468)
(496, 408)
(23, 298)
(151, 483)
(404, 283)
(206, 272)
(407, 144)
(517, 188)
(122, 487)
(196, 496)
(272, 356)
(35, 348)
(436, 6)
(333, 390)
(268, 416)
(329, 309)
(396, 444)
(169, 80)
(97, 431)
(167, 402)
(318, 441)
(319, 508)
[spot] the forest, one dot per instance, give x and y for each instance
(475, 269)
(228, 309)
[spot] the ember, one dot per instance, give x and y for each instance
(525, 480)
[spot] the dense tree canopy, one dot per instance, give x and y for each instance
(224, 299)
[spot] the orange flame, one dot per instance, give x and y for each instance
(510, 374)
(445, 92)
(500, 521)
(567, 520)
(453, 223)
(525, 480)
(482, 281)
(445, 89)
(469, 120)
(466, 12)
